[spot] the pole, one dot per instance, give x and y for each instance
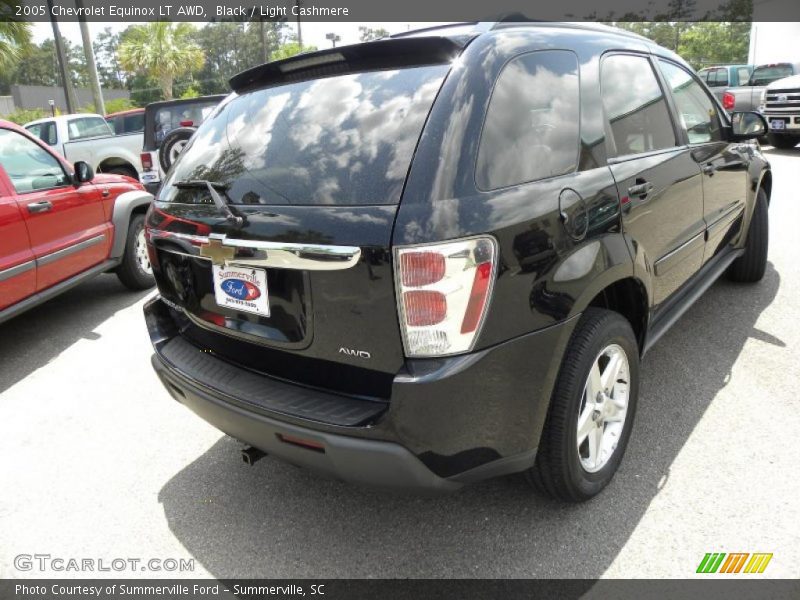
(88, 51)
(263, 40)
(299, 29)
(69, 94)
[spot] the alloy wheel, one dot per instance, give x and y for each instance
(604, 406)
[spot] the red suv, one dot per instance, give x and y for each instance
(61, 224)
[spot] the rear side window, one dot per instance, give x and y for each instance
(744, 75)
(718, 78)
(343, 140)
(532, 123)
(88, 127)
(634, 105)
(44, 131)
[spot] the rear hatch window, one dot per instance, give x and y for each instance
(341, 140)
(179, 115)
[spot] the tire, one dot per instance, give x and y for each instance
(784, 142)
(564, 468)
(127, 171)
(173, 145)
(750, 267)
(132, 271)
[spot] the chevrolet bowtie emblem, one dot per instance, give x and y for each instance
(218, 253)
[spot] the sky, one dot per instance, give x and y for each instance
(313, 31)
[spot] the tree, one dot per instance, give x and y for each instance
(163, 49)
(14, 37)
(232, 47)
(699, 43)
(290, 49)
(367, 34)
(110, 72)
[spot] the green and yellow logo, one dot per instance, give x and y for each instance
(734, 562)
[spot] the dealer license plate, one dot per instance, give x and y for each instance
(241, 288)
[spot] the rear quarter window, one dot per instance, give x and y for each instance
(531, 130)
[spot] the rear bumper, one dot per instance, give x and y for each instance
(449, 421)
(361, 461)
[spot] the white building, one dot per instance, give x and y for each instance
(774, 42)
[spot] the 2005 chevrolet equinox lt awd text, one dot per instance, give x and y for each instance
(435, 258)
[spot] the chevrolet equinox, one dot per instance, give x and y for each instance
(438, 257)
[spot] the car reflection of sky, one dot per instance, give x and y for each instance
(345, 139)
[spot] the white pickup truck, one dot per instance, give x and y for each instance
(88, 137)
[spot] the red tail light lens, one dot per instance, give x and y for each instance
(728, 101)
(477, 298)
(421, 268)
(424, 307)
(147, 161)
(443, 294)
(187, 123)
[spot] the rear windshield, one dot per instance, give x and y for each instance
(768, 74)
(341, 140)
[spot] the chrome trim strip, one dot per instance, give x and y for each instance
(17, 270)
(673, 257)
(732, 213)
(59, 254)
(277, 255)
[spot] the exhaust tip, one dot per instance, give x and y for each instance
(251, 455)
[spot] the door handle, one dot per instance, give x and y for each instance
(38, 207)
(105, 192)
(709, 169)
(641, 189)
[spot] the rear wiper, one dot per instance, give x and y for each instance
(231, 214)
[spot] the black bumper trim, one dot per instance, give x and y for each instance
(265, 393)
(356, 460)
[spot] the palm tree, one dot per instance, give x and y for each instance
(162, 50)
(14, 36)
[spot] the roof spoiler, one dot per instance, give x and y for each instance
(386, 53)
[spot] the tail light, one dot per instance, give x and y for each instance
(728, 101)
(147, 161)
(187, 123)
(443, 293)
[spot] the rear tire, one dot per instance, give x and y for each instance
(750, 267)
(135, 271)
(784, 142)
(564, 467)
(127, 171)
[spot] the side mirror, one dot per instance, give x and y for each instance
(83, 172)
(748, 125)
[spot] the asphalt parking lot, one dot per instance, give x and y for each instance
(96, 460)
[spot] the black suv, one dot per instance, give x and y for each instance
(436, 258)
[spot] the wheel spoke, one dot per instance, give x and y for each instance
(585, 422)
(595, 383)
(611, 372)
(595, 438)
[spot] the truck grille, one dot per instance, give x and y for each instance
(783, 100)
